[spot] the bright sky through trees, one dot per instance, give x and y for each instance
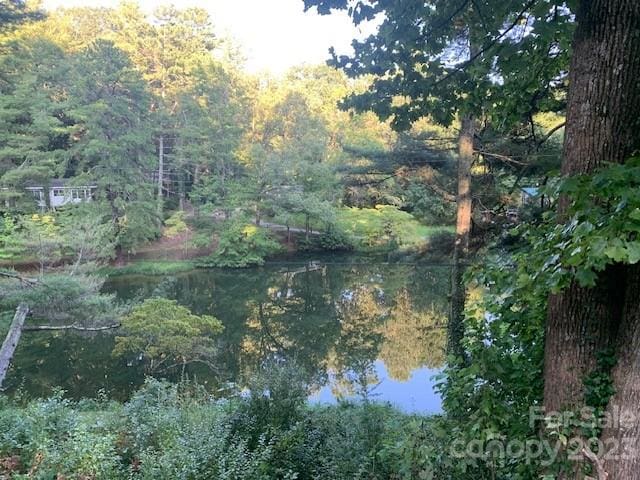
(273, 35)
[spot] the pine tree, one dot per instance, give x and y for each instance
(113, 140)
(35, 126)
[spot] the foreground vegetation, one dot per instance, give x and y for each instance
(179, 431)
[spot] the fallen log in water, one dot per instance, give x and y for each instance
(11, 341)
(35, 328)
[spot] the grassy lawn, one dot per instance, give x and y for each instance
(149, 267)
(371, 227)
(375, 226)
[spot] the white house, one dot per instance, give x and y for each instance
(61, 194)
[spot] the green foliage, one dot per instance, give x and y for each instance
(149, 267)
(599, 383)
(178, 431)
(488, 396)
(61, 298)
(383, 226)
(35, 132)
(88, 235)
(175, 224)
(441, 243)
(41, 237)
(51, 437)
(13, 12)
(330, 241)
(10, 245)
(166, 333)
(276, 399)
(425, 67)
(79, 232)
(601, 227)
(428, 207)
(241, 244)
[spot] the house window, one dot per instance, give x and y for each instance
(58, 192)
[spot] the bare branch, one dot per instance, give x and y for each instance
(20, 278)
(504, 158)
(550, 134)
(35, 328)
(449, 197)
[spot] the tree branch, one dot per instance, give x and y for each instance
(20, 278)
(483, 50)
(504, 158)
(449, 197)
(36, 328)
(550, 134)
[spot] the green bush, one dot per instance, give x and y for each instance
(331, 241)
(241, 244)
(180, 431)
(175, 225)
(441, 242)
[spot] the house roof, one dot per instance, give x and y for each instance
(59, 183)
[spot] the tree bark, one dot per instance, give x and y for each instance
(603, 121)
(160, 176)
(181, 191)
(622, 437)
(11, 341)
(463, 230)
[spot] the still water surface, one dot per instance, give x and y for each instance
(356, 327)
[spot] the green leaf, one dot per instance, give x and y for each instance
(586, 277)
(633, 252)
(617, 252)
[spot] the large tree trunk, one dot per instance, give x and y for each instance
(463, 229)
(603, 115)
(622, 438)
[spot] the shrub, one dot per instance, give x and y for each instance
(241, 244)
(441, 242)
(175, 224)
(166, 333)
(179, 431)
(332, 241)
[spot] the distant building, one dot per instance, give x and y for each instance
(533, 196)
(59, 193)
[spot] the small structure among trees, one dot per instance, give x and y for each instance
(533, 196)
(59, 193)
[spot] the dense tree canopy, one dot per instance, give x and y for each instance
(124, 133)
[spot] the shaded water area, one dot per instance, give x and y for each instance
(357, 327)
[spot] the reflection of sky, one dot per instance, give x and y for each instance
(416, 395)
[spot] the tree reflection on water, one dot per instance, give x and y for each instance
(336, 321)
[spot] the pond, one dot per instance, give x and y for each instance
(356, 327)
